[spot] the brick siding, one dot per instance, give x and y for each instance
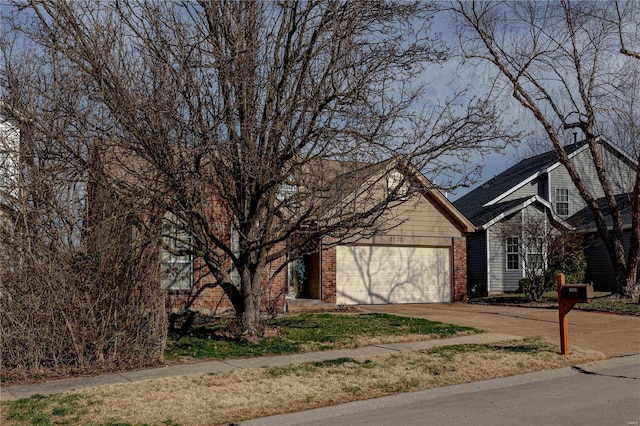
(459, 270)
(328, 275)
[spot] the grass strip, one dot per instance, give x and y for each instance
(228, 398)
(305, 332)
(602, 301)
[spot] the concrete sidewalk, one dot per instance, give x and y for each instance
(47, 388)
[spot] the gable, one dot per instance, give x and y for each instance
(517, 181)
(541, 175)
(620, 171)
(425, 218)
(422, 220)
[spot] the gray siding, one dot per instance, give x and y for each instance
(620, 172)
(501, 279)
(559, 179)
(477, 261)
(528, 190)
(495, 259)
(599, 266)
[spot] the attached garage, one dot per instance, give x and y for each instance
(417, 254)
(369, 274)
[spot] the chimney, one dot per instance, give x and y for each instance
(575, 137)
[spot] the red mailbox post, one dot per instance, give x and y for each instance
(569, 295)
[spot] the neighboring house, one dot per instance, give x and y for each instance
(536, 188)
(599, 267)
(421, 260)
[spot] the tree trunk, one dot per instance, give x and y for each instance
(631, 283)
(249, 319)
(246, 302)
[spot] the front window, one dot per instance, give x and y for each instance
(535, 259)
(562, 201)
(176, 265)
(513, 254)
(235, 248)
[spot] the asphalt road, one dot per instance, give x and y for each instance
(602, 393)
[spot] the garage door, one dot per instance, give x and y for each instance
(387, 274)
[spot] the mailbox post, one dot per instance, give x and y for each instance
(569, 295)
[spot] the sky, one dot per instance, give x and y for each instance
(452, 77)
(447, 78)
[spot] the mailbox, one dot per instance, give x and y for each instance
(578, 293)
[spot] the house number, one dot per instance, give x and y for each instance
(395, 239)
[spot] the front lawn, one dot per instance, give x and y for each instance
(230, 398)
(306, 332)
(602, 301)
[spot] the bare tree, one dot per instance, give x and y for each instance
(562, 62)
(272, 122)
(626, 20)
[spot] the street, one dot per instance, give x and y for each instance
(602, 393)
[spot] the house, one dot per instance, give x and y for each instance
(419, 258)
(422, 259)
(537, 188)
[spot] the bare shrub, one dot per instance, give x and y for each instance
(65, 307)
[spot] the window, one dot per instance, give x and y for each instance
(176, 270)
(235, 248)
(397, 186)
(562, 201)
(513, 255)
(535, 259)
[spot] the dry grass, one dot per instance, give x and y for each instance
(246, 394)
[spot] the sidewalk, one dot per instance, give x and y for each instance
(47, 388)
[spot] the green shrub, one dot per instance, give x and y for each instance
(573, 265)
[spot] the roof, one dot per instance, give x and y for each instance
(583, 220)
(486, 214)
(474, 204)
(351, 178)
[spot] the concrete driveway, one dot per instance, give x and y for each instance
(613, 335)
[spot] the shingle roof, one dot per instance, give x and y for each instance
(488, 213)
(471, 204)
(583, 220)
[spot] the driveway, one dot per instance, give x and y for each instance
(613, 335)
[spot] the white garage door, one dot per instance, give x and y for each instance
(383, 274)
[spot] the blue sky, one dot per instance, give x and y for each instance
(451, 76)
